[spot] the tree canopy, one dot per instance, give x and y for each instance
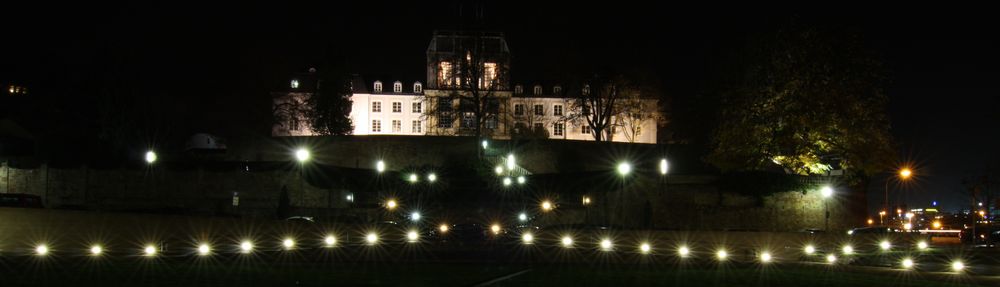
(809, 98)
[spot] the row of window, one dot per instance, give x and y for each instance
(397, 107)
(557, 90)
(557, 110)
(397, 126)
(397, 87)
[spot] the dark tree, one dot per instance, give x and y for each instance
(328, 109)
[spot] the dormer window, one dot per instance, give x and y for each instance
(557, 90)
(397, 87)
(295, 84)
(418, 88)
(538, 90)
(518, 90)
(586, 90)
(378, 86)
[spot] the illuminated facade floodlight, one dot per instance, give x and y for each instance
(831, 258)
(957, 266)
(683, 251)
(149, 250)
(288, 243)
(498, 170)
(204, 249)
(645, 248)
(330, 241)
(547, 205)
(606, 244)
(885, 245)
(391, 204)
(586, 200)
(371, 238)
(826, 191)
(380, 166)
(922, 245)
(495, 228)
(96, 250)
(150, 157)
(527, 238)
(246, 246)
(624, 168)
(415, 216)
(521, 180)
(522, 217)
(567, 241)
(506, 181)
(349, 198)
(432, 177)
(486, 144)
(41, 250)
(848, 250)
(765, 257)
(511, 163)
(721, 255)
(810, 250)
(664, 166)
(443, 228)
(907, 263)
(412, 236)
(413, 178)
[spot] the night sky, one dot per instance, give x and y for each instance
(212, 66)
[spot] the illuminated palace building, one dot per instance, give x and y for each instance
(467, 72)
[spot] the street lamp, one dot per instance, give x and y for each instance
(827, 193)
(301, 155)
(510, 162)
(150, 157)
(380, 166)
(904, 174)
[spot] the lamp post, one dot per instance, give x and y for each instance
(904, 174)
(664, 167)
(827, 192)
(623, 169)
(302, 155)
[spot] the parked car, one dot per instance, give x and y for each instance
(21, 200)
(985, 234)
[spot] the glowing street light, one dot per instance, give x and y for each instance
(510, 162)
(905, 173)
(683, 251)
(412, 236)
(302, 155)
(330, 241)
(810, 250)
(204, 249)
(884, 245)
(644, 248)
(907, 263)
(521, 180)
(96, 250)
(506, 181)
(495, 228)
(432, 177)
(380, 166)
(288, 243)
(922, 245)
(957, 266)
(586, 200)
(848, 250)
(486, 144)
(765, 257)
(371, 238)
(522, 217)
(41, 250)
(498, 170)
(567, 241)
(391, 204)
(721, 254)
(827, 192)
(547, 206)
(624, 168)
(246, 246)
(443, 228)
(606, 244)
(149, 250)
(664, 166)
(831, 258)
(527, 238)
(150, 157)
(413, 178)
(415, 216)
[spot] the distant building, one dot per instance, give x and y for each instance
(413, 108)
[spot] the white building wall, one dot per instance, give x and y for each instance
(362, 114)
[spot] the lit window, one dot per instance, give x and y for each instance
(557, 110)
(378, 86)
(397, 87)
(376, 126)
(376, 107)
(519, 109)
(468, 120)
(518, 89)
(418, 88)
(539, 110)
(416, 128)
(538, 90)
(295, 123)
(557, 129)
(585, 129)
(489, 75)
(295, 84)
(444, 74)
(417, 107)
(397, 126)
(397, 107)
